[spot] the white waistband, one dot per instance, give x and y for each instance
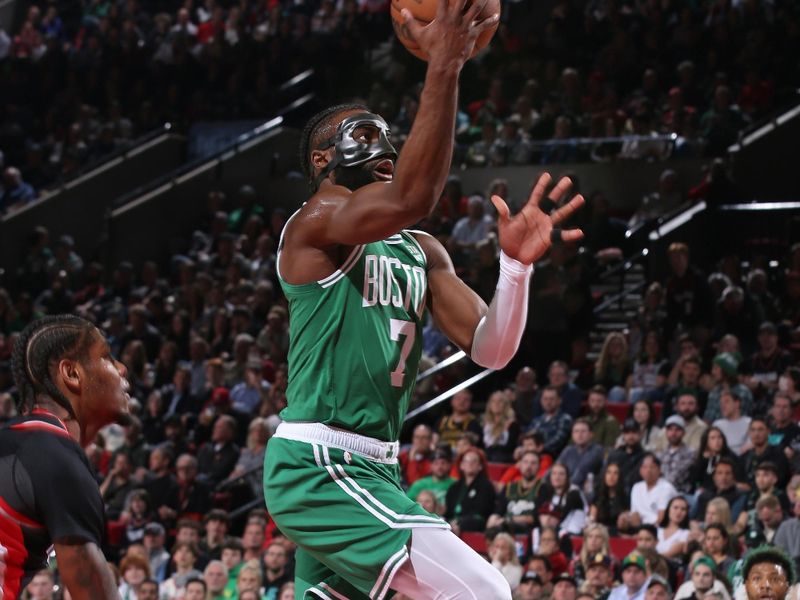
(319, 433)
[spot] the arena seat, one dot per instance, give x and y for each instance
(115, 530)
(475, 540)
(496, 470)
(621, 547)
(619, 410)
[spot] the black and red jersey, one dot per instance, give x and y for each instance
(47, 496)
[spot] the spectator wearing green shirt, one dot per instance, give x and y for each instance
(232, 558)
(439, 481)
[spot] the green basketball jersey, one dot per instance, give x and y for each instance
(356, 338)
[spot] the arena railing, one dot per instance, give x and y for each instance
(242, 141)
(623, 267)
(114, 157)
(789, 108)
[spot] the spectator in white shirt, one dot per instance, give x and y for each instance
(649, 497)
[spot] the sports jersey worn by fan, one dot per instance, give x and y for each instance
(353, 360)
(47, 495)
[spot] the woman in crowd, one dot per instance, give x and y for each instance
(153, 418)
(713, 446)
(180, 333)
(137, 514)
(167, 361)
(134, 357)
(613, 366)
(545, 541)
(500, 428)
(220, 338)
(252, 455)
(610, 500)
(564, 500)
(641, 412)
(673, 530)
(470, 500)
(646, 368)
(595, 541)
(717, 545)
(503, 556)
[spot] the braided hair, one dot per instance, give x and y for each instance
(39, 347)
(317, 129)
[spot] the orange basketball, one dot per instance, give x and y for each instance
(425, 11)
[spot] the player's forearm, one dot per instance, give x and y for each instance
(85, 572)
(499, 332)
(424, 163)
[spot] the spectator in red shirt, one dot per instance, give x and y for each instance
(416, 461)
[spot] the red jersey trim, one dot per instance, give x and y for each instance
(18, 517)
(41, 426)
(41, 411)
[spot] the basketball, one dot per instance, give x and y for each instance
(425, 11)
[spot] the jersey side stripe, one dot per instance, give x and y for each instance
(379, 590)
(371, 509)
(336, 594)
(345, 268)
(373, 500)
(342, 268)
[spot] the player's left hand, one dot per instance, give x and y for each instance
(527, 235)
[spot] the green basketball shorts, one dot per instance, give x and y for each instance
(337, 496)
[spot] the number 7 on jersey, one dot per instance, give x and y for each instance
(398, 327)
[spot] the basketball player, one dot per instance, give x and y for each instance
(768, 574)
(69, 388)
(358, 283)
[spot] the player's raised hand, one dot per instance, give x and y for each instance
(453, 32)
(529, 234)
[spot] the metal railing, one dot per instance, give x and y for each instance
(172, 176)
(623, 267)
(241, 142)
(125, 148)
(774, 120)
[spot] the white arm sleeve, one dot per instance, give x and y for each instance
(498, 333)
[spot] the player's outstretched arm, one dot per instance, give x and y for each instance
(337, 216)
(491, 335)
(85, 572)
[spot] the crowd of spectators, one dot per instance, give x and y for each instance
(655, 464)
(83, 78)
(661, 464)
(680, 438)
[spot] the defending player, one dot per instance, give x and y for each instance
(69, 388)
(358, 283)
